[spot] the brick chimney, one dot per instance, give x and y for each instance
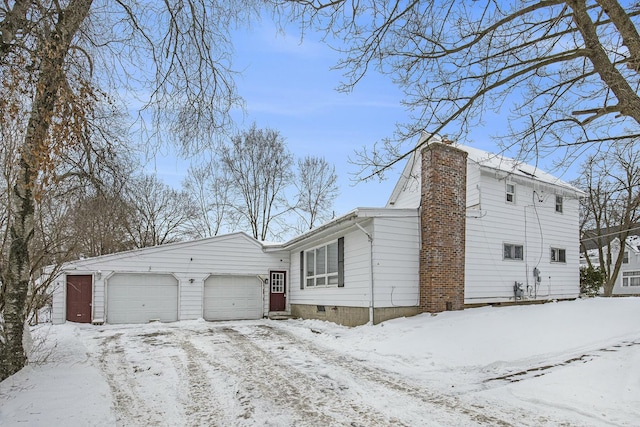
(443, 216)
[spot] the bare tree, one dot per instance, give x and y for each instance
(259, 166)
(98, 225)
(57, 58)
(566, 71)
(317, 189)
(210, 191)
(158, 214)
(611, 209)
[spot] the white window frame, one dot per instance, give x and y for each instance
(319, 276)
(510, 196)
(512, 252)
(559, 203)
(630, 278)
(558, 255)
(625, 257)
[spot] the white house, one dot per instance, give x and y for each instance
(462, 227)
(628, 280)
(521, 226)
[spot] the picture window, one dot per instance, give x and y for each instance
(322, 265)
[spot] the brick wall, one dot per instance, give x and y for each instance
(443, 213)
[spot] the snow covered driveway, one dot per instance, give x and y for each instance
(558, 364)
(256, 374)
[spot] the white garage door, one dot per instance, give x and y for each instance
(140, 298)
(232, 298)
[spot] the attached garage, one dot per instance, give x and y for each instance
(233, 298)
(216, 278)
(141, 297)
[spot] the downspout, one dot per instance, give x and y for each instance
(370, 238)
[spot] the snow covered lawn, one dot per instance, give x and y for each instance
(568, 363)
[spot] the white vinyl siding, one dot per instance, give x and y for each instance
(395, 266)
(356, 273)
(488, 277)
(396, 262)
(474, 196)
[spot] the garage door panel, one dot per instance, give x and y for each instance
(139, 298)
(233, 298)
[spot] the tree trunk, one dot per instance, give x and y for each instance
(16, 278)
(51, 53)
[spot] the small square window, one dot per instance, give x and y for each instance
(558, 255)
(513, 252)
(558, 204)
(511, 193)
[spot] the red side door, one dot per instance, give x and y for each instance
(79, 298)
(278, 293)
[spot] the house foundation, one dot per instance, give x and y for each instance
(350, 316)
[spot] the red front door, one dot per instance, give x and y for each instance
(278, 294)
(79, 298)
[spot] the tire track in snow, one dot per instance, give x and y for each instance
(202, 408)
(543, 369)
(312, 400)
(130, 409)
(446, 408)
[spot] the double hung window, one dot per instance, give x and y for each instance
(511, 193)
(559, 203)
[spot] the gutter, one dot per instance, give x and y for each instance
(344, 218)
(371, 302)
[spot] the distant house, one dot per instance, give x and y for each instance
(628, 280)
(462, 227)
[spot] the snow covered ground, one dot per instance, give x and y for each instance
(567, 363)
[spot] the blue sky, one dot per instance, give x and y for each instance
(288, 85)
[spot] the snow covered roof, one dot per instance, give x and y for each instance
(512, 167)
(485, 159)
(634, 243)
